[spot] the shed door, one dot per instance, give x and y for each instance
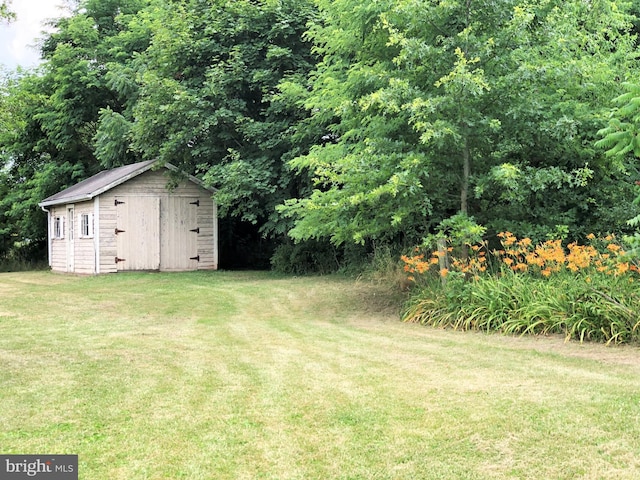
(179, 233)
(138, 233)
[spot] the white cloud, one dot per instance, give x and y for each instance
(18, 39)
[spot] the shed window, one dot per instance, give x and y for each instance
(58, 227)
(86, 225)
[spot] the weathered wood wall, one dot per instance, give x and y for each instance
(174, 215)
(154, 184)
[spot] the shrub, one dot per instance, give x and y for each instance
(305, 258)
(24, 256)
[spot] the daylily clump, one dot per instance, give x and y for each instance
(602, 255)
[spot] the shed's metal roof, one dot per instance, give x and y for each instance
(102, 182)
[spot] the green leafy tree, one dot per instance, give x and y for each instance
(208, 99)
(620, 139)
(621, 136)
(23, 179)
(571, 57)
(50, 115)
(440, 107)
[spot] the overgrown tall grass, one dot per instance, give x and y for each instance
(585, 292)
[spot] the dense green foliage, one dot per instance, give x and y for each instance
(486, 108)
(337, 122)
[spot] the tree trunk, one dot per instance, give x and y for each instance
(464, 190)
(466, 172)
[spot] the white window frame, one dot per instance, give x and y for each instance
(58, 226)
(85, 220)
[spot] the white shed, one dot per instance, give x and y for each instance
(128, 219)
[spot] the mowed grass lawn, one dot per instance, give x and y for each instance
(228, 375)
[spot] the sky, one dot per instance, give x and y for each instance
(18, 38)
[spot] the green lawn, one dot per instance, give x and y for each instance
(252, 376)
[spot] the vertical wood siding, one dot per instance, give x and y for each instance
(175, 252)
(138, 236)
(179, 217)
(208, 236)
